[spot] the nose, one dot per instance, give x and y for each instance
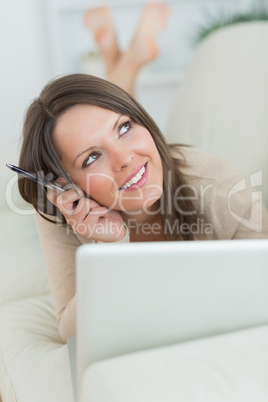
(120, 157)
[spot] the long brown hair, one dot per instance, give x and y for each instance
(38, 154)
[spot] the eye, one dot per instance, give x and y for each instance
(91, 158)
(125, 128)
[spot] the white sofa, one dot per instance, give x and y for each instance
(34, 362)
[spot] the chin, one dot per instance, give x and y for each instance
(145, 205)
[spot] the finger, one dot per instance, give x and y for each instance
(64, 201)
(69, 186)
(61, 181)
(86, 221)
(53, 194)
(67, 201)
(86, 207)
(91, 203)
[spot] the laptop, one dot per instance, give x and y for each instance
(137, 296)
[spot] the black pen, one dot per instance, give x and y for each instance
(35, 178)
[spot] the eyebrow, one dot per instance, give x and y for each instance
(88, 149)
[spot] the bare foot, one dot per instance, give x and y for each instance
(144, 46)
(100, 22)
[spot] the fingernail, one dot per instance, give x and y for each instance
(100, 210)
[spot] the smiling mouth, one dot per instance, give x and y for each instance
(134, 179)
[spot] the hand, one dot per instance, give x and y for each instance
(86, 216)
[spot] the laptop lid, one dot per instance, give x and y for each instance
(138, 296)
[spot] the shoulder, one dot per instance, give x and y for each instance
(223, 195)
(204, 166)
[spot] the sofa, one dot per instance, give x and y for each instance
(225, 367)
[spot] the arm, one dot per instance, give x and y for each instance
(59, 244)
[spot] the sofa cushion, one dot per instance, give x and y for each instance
(34, 364)
(22, 270)
(232, 367)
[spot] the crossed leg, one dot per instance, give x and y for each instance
(99, 21)
(122, 68)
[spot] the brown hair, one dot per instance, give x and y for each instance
(38, 154)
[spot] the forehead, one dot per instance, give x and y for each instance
(84, 114)
(80, 121)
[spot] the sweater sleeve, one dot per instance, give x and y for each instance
(59, 245)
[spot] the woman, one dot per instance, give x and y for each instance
(123, 181)
(88, 131)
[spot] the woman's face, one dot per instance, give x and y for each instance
(111, 158)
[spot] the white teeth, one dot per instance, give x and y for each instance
(134, 179)
(138, 177)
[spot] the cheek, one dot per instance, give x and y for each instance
(100, 187)
(144, 140)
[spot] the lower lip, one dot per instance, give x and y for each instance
(141, 182)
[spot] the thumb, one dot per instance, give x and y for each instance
(69, 185)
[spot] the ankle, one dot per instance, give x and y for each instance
(124, 72)
(131, 61)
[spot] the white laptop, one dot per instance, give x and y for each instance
(137, 296)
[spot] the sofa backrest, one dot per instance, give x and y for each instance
(221, 106)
